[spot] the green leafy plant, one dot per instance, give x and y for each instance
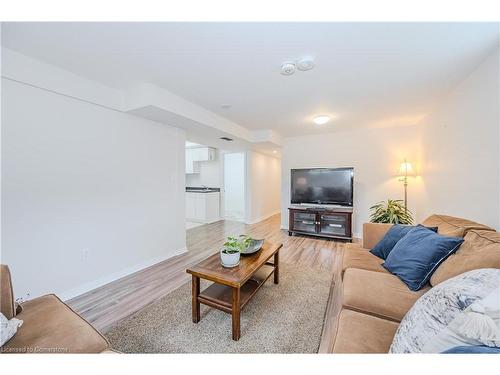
(392, 211)
(235, 245)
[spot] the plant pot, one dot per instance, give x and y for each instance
(229, 260)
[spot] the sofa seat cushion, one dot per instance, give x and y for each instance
(50, 326)
(481, 249)
(361, 333)
(357, 257)
(379, 294)
(453, 226)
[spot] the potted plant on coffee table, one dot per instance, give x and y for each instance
(230, 253)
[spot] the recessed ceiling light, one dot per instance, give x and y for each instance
(321, 120)
(275, 152)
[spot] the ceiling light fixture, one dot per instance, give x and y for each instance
(275, 152)
(305, 63)
(321, 120)
(288, 68)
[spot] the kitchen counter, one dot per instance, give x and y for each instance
(191, 189)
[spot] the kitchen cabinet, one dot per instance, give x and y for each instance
(195, 155)
(203, 154)
(202, 207)
(191, 166)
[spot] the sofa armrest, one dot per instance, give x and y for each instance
(7, 304)
(373, 233)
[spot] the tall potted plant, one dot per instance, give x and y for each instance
(230, 253)
(392, 212)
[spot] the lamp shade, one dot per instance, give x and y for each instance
(405, 169)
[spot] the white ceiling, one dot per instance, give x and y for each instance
(373, 75)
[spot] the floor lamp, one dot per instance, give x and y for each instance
(405, 170)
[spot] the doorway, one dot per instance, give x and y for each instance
(234, 186)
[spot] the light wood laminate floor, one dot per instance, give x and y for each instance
(107, 305)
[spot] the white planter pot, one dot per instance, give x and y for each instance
(229, 260)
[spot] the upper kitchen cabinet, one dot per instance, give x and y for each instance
(203, 154)
(194, 155)
(190, 165)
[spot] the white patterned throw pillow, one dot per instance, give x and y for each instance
(461, 311)
(8, 328)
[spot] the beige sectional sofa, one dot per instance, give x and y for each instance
(49, 325)
(374, 301)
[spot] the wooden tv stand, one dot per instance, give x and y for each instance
(321, 222)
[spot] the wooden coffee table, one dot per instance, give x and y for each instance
(233, 287)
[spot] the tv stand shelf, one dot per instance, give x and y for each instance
(321, 222)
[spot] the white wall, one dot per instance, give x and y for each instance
(455, 151)
(210, 173)
(89, 194)
(263, 186)
(375, 155)
(461, 157)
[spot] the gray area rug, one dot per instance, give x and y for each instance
(284, 318)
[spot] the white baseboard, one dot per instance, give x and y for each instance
(238, 219)
(213, 220)
(263, 217)
(91, 285)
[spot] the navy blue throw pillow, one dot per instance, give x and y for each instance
(474, 349)
(417, 255)
(393, 235)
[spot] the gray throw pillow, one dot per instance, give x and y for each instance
(8, 328)
(461, 311)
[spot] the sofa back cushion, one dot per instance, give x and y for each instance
(481, 249)
(453, 226)
(7, 306)
(373, 233)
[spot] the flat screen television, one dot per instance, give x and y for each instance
(322, 186)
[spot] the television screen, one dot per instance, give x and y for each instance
(322, 186)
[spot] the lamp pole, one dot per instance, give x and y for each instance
(404, 177)
(405, 183)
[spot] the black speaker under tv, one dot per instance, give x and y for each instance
(322, 186)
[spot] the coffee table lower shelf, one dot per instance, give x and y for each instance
(220, 296)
